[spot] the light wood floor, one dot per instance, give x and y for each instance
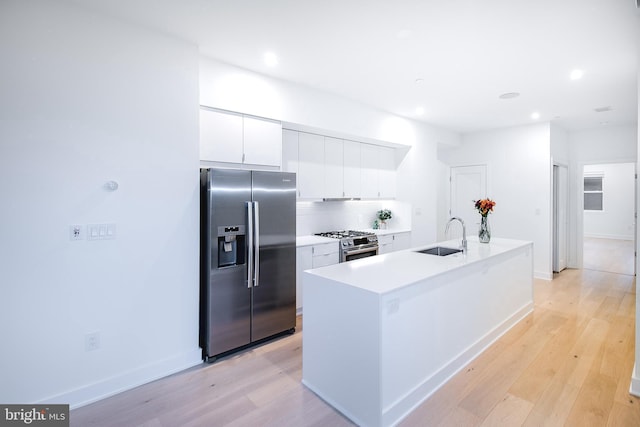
(612, 255)
(569, 363)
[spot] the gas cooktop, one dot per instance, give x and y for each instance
(343, 234)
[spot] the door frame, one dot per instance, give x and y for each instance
(579, 254)
(555, 226)
(486, 167)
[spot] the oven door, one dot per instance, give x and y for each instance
(357, 253)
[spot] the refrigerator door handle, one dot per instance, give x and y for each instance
(250, 244)
(256, 244)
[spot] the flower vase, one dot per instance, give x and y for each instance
(383, 225)
(484, 233)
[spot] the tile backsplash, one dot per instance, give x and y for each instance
(316, 217)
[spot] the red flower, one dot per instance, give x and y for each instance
(484, 206)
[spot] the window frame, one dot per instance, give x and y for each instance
(585, 192)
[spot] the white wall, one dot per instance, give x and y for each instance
(230, 88)
(616, 220)
(518, 163)
(85, 100)
(317, 217)
(560, 148)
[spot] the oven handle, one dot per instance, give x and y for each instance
(359, 251)
(348, 252)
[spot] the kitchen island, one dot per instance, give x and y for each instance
(383, 333)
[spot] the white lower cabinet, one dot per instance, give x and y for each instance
(325, 254)
(308, 257)
(385, 244)
(393, 242)
(401, 241)
(303, 262)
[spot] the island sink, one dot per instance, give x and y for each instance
(440, 251)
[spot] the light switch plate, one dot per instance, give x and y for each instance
(101, 231)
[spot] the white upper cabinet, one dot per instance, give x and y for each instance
(289, 151)
(262, 141)
(386, 173)
(310, 166)
(369, 171)
(351, 173)
(220, 137)
(333, 168)
(236, 138)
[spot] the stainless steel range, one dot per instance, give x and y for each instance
(354, 244)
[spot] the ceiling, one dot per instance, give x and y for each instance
(465, 53)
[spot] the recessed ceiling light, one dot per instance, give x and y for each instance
(535, 115)
(270, 59)
(576, 74)
(509, 95)
(419, 111)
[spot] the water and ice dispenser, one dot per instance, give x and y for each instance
(231, 244)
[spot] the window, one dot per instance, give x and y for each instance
(593, 195)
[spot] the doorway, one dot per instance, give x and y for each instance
(609, 217)
(468, 183)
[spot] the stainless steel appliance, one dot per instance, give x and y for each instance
(354, 244)
(247, 258)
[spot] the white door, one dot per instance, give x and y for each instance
(560, 184)
(468, 183)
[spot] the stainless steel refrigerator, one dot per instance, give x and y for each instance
(247, 258)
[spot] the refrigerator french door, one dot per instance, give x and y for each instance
(247, 258)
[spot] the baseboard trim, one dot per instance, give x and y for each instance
(634, 388)
(543, 275)
(609, 236)
(108, 387)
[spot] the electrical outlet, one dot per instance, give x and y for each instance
(92, 341)
(76, 232)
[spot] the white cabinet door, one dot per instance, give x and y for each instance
(220, 136)
(369, 171)
(387, 172)
(310, 166)
(262, 142)
(325, 254)
(401, 241)
(352, 187)
(303, 262)
(289, 151)
(333, 168)
(385, 244)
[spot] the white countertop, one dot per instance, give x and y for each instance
(387, 272)
(380, 232)
(313, 240)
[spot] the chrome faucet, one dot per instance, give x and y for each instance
(463, 246)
